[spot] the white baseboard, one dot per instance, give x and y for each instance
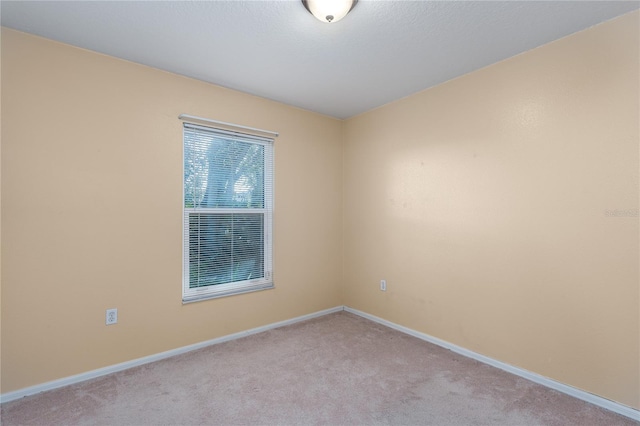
(32, 390)
(545, 381)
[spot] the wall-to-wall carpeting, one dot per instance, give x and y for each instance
(336, 369)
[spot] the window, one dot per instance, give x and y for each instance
(228, 209)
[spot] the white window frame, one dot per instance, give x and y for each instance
(237, 287)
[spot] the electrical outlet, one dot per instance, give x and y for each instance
(383, 285)
(112, 316)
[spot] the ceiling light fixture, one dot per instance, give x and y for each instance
(329, 10)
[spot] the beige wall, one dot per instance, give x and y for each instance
(91, 211)
(482, 203)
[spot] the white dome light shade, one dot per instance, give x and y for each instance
(329, 10)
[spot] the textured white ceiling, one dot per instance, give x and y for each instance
(380, 52)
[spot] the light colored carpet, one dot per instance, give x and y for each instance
(339, 369)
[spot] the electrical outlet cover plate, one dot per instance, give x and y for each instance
(112, 316)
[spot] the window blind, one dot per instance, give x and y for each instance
(228, 212)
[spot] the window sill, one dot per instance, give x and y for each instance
(226, 293)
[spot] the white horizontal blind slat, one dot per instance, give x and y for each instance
(192, 119)
(229, 134)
